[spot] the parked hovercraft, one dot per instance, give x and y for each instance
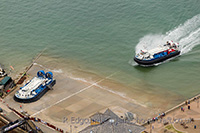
(157, 55)
(36, 87)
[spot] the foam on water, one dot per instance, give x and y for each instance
(53, 70)
(187, 35)
(132, 62)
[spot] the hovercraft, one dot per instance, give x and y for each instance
(36, 87)
(157, 55)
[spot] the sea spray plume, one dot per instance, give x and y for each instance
(149, 42)
(183, 30)
(187, 34)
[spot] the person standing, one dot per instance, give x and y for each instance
(189, 107)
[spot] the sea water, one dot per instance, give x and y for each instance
(101, 37)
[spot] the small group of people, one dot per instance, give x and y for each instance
(171, 44)
(188, 105)
(156, 118)
(182, 109)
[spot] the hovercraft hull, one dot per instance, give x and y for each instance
(28, 100)
(158, 60)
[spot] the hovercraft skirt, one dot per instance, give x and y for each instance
(158, 60)
(37, 97)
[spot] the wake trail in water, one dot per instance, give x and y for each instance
(187, 35)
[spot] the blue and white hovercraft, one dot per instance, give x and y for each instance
(157, 55)
(36, 87)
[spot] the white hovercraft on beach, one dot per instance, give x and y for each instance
(36, 87)
(157, 55)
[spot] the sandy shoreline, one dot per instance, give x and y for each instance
(149, 97)
(75, 98)
(80, 94)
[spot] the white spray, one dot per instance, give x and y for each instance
(187, 35)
